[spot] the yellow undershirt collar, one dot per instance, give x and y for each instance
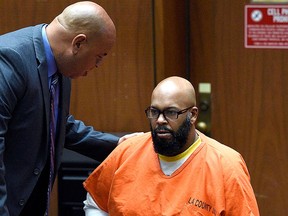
(186, 153)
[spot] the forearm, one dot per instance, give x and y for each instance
(85, 140)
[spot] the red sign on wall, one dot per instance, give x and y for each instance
(266, 26)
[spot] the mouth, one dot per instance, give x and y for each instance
(164, 134)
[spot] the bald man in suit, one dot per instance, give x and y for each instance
(73, 44)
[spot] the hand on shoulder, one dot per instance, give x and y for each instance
(127, 136)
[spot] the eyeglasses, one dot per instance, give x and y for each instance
(153, 113)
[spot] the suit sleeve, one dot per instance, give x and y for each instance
(12, 88)
(85, 140)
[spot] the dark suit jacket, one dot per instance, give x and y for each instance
(24, 118)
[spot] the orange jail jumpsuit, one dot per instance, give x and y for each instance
(214, 180)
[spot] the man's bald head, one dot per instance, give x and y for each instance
(80, 37)
(86, 17)
(178, 89)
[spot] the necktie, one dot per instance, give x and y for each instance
(53, 118)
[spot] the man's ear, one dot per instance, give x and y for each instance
(77, 42)
(194, 114)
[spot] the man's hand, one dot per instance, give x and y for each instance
(127, 136)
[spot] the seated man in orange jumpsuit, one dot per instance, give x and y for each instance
(172, 170)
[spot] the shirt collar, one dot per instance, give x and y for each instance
(52, 68)
(187, 152)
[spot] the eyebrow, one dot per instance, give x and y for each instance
(165, 108)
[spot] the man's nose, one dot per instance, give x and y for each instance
(161, 118)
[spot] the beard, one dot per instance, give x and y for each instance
(173, 146)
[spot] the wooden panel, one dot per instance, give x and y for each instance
(114, 96)
(170, 32)
(249, 100)
(17, 14)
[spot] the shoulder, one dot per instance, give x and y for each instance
(20, 34)
(21, 41)
(128, 149)
(217, 147)
(135, 142)
(223, 157)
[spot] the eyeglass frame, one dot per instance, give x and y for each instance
(162, 112)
